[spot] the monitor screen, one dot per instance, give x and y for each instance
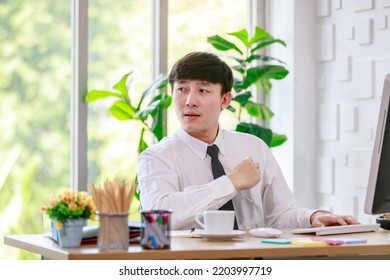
(378, 189)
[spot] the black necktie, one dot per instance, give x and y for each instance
(218, 171)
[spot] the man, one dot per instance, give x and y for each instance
(176, 173)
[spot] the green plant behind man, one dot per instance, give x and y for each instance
(254, 71)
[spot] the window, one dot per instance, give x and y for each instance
(35, 92)
(35, 55)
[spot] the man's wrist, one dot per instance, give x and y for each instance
(316, 213)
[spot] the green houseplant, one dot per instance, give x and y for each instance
(254, 69)
(148, 111)
(155, 99)
(68, 212)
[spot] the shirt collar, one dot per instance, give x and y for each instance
(199, 147)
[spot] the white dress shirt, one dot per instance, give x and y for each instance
(176, 174)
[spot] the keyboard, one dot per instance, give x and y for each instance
(338, 229)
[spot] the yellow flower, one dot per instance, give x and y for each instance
(52, 203)
(59, 225)
(72, 206)
(83, 195)
(82, 204)
(73, 196)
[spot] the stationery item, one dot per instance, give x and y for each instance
(338, 229)
(113, 232)
(216, 221)
(309, 243)
(330, 241)
(155, 234)
(90, 233)
(276, 241)
(348, 240)
(113, 200)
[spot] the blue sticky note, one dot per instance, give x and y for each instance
(349, 240)
(276, 241)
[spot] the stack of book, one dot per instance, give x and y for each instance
(91, 233)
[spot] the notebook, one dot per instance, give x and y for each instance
(90, 233)
(338, 229)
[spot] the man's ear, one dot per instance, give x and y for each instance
(226, 99)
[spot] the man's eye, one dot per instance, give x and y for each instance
(203, 90)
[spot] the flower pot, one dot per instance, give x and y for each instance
(70, 235)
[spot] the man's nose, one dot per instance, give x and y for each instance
(192, 99)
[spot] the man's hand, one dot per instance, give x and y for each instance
(324, 219)
(246, 174)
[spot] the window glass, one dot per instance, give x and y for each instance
(188, 29)
(35, 87)
(120, 37)
(122, 45)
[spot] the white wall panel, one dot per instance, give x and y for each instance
(362, 5)
(385, 3)
(337, 4)
(344, 68)
(349, 118)
(329, 122)
(353, 59)
(363, 79)
(323, 8)
(326, 175)
(327, 44)
(364, 31)
(382, 68)
(361, 159)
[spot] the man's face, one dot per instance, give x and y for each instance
(198, 105)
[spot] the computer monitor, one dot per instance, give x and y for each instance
(378, 189)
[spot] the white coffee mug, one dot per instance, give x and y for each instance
(216, 221)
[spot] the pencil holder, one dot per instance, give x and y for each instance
(113, 232)
(155, 234)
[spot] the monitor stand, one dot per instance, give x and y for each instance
(384, 221)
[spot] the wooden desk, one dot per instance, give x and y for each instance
(185, 247)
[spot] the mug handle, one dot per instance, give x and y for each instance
(197, 219)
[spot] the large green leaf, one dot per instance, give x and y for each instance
(242, 35)
(264, 72)
(122, 110)
(278, 139)
(121, 86)
(242, 98)
(165, 101)
(239, 69)
(231, 108)
(95, 94)
(158, 125)
(263, 133)
(264, 58)
(264, 85)
(152, 107)
(142, 145)
(259, 110)
(222, 44)
(267, 43)
(160, 82)
(260, 34)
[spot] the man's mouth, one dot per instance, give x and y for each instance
(191, 115)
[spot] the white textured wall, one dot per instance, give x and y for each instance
(353, 57)
(338, 55)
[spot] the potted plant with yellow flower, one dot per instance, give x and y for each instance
(68, 212)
